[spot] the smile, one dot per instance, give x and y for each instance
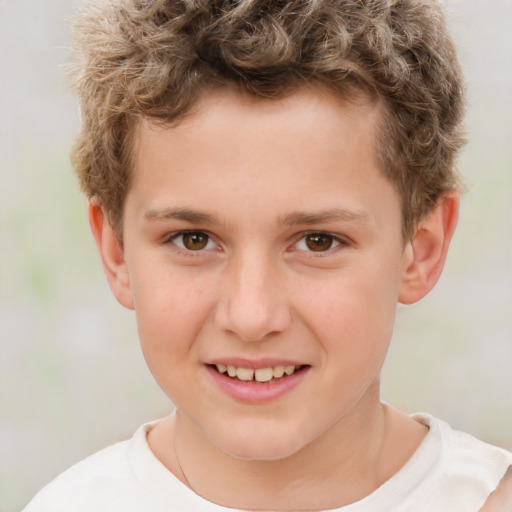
(257, 385)
(258, 374)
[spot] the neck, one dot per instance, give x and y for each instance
(345, 464)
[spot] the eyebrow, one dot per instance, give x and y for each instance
(332, 215)
(184, 214)
(289, 219)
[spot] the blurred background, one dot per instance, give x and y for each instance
(72, 378)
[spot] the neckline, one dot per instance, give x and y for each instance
(153, 474)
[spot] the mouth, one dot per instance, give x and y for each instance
(260, 375)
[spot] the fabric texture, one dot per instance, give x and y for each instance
(449, 471)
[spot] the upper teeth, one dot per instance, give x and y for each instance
(260, 374)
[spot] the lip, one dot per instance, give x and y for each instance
(252, 392)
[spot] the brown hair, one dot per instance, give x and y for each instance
(152, 58)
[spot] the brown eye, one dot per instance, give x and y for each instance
(319, 242)
(193, 241)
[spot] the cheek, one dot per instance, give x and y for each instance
(359, 300)
(171, 308)
(353, 318)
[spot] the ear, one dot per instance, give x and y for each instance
(425, 254)
(111, 253)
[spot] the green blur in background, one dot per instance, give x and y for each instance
(72, 378)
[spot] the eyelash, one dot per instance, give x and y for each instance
(337, 240)
(182, 249)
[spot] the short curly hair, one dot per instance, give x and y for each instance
(151, 59)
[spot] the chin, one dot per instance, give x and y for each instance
(262, 453)
(260, 444)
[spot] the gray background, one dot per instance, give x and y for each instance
(72, 378)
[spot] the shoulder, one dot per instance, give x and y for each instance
(462, 450)
(501, 499)
(466, 470)
(96, 477)
(125, 476)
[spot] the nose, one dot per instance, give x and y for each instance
(253, 304)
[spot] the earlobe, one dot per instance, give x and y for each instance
(111, 254)
(425, 255)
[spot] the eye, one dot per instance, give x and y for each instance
(193, 241)
(318, 242)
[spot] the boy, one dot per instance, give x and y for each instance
(267, 180)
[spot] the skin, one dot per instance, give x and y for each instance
(501, 499)
(256, 177)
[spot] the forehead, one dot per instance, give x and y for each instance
(310, 102)
(236, 153)
(308, 117)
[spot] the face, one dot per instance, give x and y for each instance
(260, 237)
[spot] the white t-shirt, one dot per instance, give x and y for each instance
(450, 472)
